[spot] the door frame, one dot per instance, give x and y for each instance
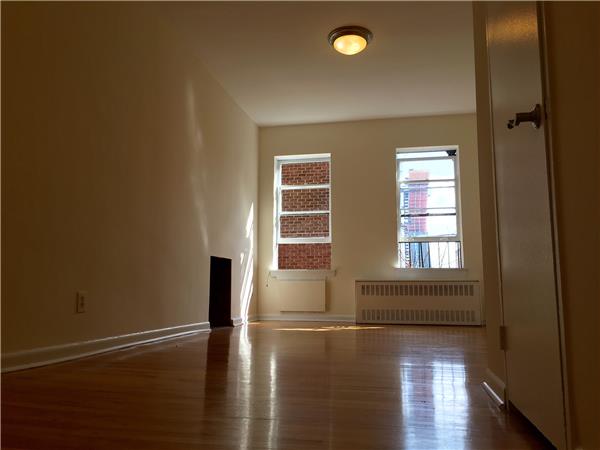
(547, 104)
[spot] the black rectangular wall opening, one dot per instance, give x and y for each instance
(219, 299)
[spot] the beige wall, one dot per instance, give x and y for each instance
(496, 375)
(363, 194)
(573, 39)
(124, 167)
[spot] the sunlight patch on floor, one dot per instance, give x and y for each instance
(331, 328)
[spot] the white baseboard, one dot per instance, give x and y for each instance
(42, 356)
(306, 317)
(494, 387)
(252, 318)
(237, 321)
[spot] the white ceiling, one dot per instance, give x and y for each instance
(274, 59)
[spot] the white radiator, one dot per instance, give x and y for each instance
(418, 302)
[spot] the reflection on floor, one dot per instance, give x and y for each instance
(269, 386)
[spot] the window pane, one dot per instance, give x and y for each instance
(305, 225)
(440, 194)
(304, 173)
(426, 170)
(304, 256)
(305, 200)
(434, 255)
(432, 226)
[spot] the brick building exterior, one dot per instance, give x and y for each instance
(312, 225)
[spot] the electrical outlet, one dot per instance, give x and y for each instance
(80, 301)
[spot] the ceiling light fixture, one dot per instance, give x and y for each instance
(350, 40)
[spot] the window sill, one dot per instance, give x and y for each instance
(298, 275)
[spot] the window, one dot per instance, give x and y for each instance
(428, 208)
(302, 212)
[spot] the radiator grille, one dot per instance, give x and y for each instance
(436, 302)
(419, 315)
(418, 290)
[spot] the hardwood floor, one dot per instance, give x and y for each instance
(269, 385)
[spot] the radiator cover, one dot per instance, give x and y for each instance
(301, 295)
(418, 302)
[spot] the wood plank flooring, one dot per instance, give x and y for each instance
(270, 385)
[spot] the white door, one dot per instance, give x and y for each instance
(533, 358)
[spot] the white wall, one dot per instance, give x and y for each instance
(124, 167)
(364, 235)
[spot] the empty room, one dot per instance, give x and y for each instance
(300, 225)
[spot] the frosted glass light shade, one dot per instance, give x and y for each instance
(350, 44)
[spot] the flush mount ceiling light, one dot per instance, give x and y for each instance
(350, 40)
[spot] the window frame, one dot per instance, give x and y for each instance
(455, 238)
(277, 197)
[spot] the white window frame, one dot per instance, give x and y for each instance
(278, 190)
(456, 180)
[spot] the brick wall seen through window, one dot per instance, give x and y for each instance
(303, 225)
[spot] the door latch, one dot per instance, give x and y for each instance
(534, 116)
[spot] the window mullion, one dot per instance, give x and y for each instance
(428, 215)
(435, 158)
(440, 180)
(453, 238)
(299, 187)
(302, 213)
